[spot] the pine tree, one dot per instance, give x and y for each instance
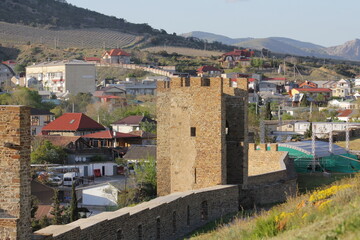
(74, 214)
(268, 115)
(57, 210)
(308, 133)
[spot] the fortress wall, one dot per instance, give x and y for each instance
(169, 217)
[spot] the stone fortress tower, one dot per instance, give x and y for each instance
(15, 172)
(202, 133)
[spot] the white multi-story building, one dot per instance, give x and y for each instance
(62, 76)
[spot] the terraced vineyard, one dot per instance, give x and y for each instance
(82, 38)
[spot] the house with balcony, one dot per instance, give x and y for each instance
(40, 118)
(208, 71)
(116, 56)
(62, 77)
(342, 88)
(237, 57)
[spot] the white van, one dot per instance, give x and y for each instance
(70, 178)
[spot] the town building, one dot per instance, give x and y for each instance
(72, 124)
(130, 123)
(6, 73)
(342, 88)
(39, 119)
(234, 58)
(61, 77)
(116, 56)
(208, 71)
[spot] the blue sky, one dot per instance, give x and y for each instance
(323, 22)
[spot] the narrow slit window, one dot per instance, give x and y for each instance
(204, 210)
(119, 234)
(187, 82)
(193, 131)
(140, 232)
(174, 222)
(188, 216)
(158, 228)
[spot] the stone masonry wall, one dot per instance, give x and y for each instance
(263, 160)
(168, 217)
(15, 172)
(194, 151)
(196, 159)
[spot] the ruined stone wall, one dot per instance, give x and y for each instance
(168, 217)
(14, 172)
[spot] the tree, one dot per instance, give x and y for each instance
(74, 213)
(148, 126)
(34, 205)
(57, 210)
(308, 133)
(145, 173)
(46, 152)
(268, 115)
(305, 102)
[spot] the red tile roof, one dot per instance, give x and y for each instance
(108, 134)
(313, 89)
(73, 122)
(345, 113)
(207, 69)
(117, 52)
(251, 79)
(238, 52)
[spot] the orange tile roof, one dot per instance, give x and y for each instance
(117, 52)
(207, 69)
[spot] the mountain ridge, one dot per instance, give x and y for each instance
(347, 51)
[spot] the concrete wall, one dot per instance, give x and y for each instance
(15, 141)
(80, 78)
(168, 217)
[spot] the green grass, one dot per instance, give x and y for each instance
(333, 214)
(311, 181)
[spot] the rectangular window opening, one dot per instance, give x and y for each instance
(187, 82)
(205, 82)
(193, 131)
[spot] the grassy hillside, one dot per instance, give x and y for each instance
(330, 213)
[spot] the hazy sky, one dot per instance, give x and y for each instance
(323, 22)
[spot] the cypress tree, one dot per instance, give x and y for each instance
(74, 215)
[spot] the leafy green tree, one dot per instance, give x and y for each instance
(74, 213)
(79, 102)
(268, 114)
(145, 173)
(308, 132)
(305, 102)
(27, 97)
(46, 152)
(148, 126)
(34, 205)
(57, 209)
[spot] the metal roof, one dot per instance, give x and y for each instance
(321, 148)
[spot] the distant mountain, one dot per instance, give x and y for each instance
(350, 50)
(211, 37)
